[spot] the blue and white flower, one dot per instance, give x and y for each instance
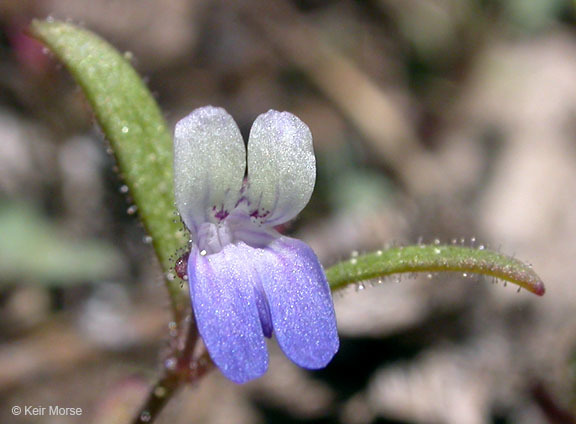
(247, 281)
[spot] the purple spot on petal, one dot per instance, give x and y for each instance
(220, 213)
(241, 200)
(259, 214)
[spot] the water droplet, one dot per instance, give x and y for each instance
(125, 130)
(203, 253)
(170, 363)
(145, 416)
(160, 391)
(123, 189)
(147, 239)
(132, 210)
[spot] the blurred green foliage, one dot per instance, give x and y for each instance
(36, 250)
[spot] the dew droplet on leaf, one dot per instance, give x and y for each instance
(170, 363)
(160, 391)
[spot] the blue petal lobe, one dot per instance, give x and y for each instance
(224, 290)
(300, 303)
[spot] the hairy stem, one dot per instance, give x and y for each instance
(164, 389)
(180, 368)
(434, 258)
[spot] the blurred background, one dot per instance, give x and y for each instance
(449, 120)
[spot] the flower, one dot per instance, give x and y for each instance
(246, 280)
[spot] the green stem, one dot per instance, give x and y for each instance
(434, 258)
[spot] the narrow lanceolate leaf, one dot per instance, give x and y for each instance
(434, 258)
(134, 126)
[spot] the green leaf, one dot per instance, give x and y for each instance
(35, 250)
(434, 258)
(135, 128)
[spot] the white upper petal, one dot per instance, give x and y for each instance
(209, 165)
(281, 166)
